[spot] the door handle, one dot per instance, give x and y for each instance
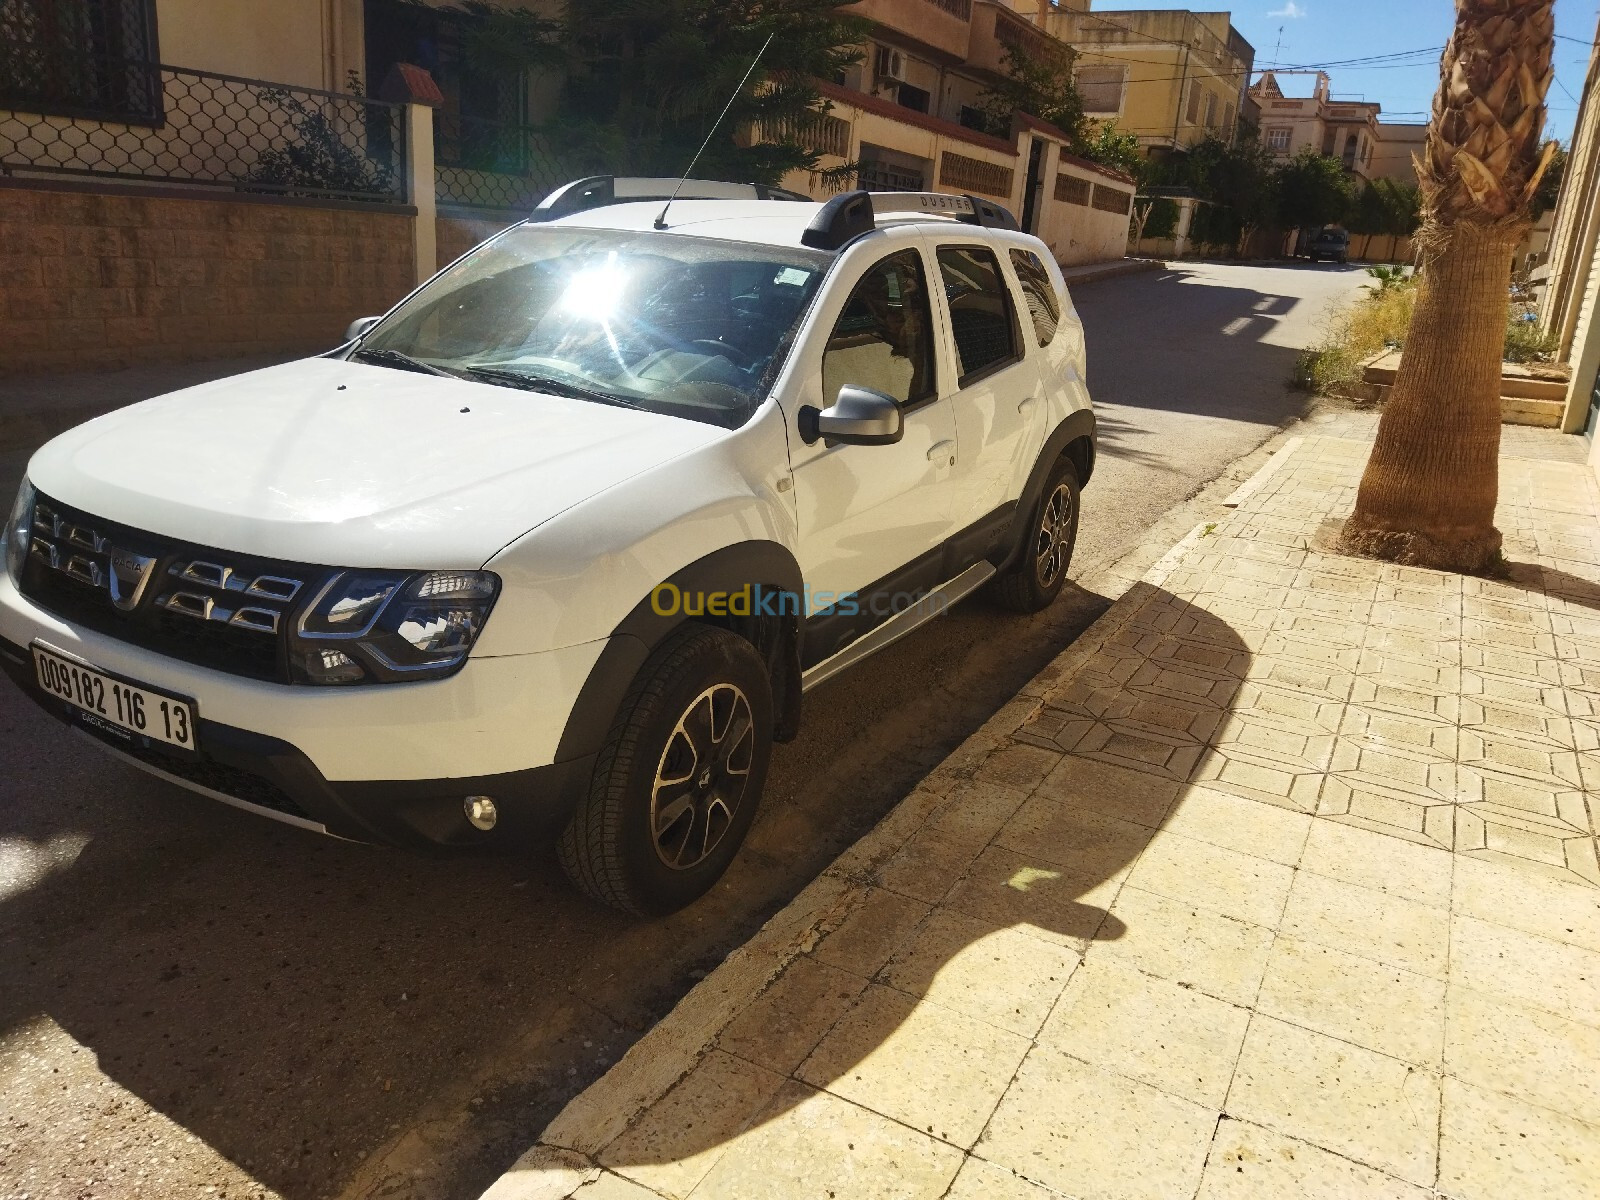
(943, 451)
(1027, 402)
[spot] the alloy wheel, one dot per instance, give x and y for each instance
(702, 777)
(1054, 541)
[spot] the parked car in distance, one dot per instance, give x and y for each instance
(1330, 243)
(554, 548)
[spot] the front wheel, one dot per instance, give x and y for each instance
(1034, 581)
(677, 781)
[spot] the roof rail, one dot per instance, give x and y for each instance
(848, 216)
(597, 191)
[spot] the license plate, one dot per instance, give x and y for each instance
(114, 705)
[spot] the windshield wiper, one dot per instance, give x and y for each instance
(401, 362)
(548, 383)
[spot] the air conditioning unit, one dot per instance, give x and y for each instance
(891, 65)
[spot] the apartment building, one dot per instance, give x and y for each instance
(1342, 129)
(1169, 76)
(909, 114)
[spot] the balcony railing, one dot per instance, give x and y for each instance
(67, 114)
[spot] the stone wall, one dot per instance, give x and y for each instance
(104, 277)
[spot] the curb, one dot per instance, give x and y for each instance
(1095, 273)
(563, 1159)
(1257, 481)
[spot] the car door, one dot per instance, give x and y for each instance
(995, 398)
(872, 519)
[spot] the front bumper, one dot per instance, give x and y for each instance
(387, 762)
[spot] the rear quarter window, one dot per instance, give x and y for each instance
(1044, 305)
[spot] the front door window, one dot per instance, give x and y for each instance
(884, 337)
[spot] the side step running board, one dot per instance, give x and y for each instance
(902, 623)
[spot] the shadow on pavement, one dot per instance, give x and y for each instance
(966, 936)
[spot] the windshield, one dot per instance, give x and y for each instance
(686, 326)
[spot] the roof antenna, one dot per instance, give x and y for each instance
(661, 217)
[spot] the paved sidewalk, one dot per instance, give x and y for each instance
(1282, 881)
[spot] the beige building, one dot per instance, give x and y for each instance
(1170, 77)
(1342, 129)
(910, 114)
(1571, 284)
(1349, 130)
(1398, 146)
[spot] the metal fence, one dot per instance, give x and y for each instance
(127, 119)
(492, 164)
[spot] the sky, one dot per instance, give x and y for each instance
(1317, 32)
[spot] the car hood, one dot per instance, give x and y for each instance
(338, 463)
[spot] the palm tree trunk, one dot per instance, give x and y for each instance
(1428, 495)
(1429, 492)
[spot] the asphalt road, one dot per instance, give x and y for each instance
(195, 1002)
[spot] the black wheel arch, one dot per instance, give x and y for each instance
(1076, 439)
(757, 563)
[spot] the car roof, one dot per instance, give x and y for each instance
(762, 222)
(769, 222)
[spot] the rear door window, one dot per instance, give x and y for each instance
(982, 320)
(1044, 306)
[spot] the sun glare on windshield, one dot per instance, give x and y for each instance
(593, 293)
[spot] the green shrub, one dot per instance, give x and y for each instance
(1388, 277)
(1525, 341)
(1163, 222)
(1356, 333)
(1380, 320)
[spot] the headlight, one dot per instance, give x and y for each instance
(19, 532)
(387, 627)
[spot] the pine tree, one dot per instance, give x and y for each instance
(647, 78)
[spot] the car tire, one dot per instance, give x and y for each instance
(677, 780)
(1034, 581)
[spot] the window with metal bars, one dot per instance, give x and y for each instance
(1110, 199)
(81, 58)
(1072, 190)
(974, 175)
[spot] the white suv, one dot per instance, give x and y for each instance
(556, 546)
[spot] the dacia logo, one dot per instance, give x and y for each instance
(130, 573)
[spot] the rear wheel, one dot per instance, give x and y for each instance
(1036, 578)
(677, 781)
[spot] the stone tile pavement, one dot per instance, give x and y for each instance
(1282, 881)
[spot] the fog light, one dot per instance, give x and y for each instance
(480, 811)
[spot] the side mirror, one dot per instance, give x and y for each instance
(359, 326)
(859, 416)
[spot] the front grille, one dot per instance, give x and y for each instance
(214, 608)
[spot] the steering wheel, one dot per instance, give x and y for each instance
(730, 352)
